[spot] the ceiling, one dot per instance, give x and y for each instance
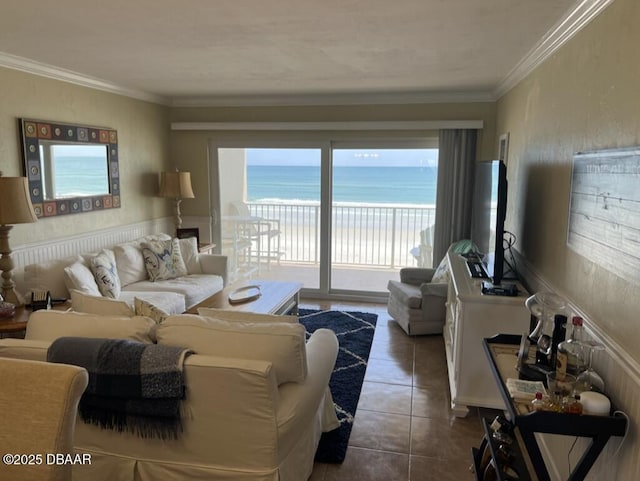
(206, 51)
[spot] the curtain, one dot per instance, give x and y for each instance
(454, 196)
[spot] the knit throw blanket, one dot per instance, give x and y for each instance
(133, 386)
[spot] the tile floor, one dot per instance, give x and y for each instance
(403, 428)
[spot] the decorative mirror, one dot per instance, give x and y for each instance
(70, 168)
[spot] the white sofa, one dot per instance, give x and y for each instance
(254, 410)
(206, 274)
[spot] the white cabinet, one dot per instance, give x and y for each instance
(472, 316)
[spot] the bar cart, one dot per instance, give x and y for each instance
(527, 458)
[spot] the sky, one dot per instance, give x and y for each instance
(80, 150)
(345, 158)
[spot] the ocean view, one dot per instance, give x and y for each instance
(357, 185)
(85, 175)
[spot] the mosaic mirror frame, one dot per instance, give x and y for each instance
(33, 132)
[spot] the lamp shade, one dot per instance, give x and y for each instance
(176, 185)
(15, 203)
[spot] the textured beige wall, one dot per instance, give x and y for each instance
(585, 97)
(190, 149)
(143, 130)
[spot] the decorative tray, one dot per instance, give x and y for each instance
(245, 294)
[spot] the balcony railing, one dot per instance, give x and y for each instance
(363, 235)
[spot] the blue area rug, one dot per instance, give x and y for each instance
(355, 334)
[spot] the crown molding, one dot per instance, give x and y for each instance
(572, 22)
(44, 70)
(268, 100)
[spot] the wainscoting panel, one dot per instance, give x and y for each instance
(622, 377)
(83, 243)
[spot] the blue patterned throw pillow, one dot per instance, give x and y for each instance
(105, 273)
(163, 259)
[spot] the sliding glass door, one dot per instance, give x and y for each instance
(270, 212)
(342, 218)
(383, 213)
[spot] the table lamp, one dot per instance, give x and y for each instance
(178, 186)
(15, 208)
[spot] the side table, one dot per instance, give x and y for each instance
(206, 248)
(15, 324)
(18, 323)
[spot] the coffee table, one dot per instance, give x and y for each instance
(276, 298)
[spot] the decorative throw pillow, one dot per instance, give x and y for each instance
(179, 265)
(105, 273)
(144, 308)
(103, 306)
(130, 263)
(190, 255)
(80, 278)
(442, 272)
(163, 259)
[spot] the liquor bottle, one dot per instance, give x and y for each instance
(558, 335)
(569, 355)
(538, 404)
(573, 406)
(555, 402)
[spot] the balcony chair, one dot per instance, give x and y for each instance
(264, 232)
(239, 251)
(417, 301)
(423, 253)
(40, 402)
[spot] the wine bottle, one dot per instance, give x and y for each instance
(569, 355)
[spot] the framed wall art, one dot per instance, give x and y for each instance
(604, 215)
(503, 147)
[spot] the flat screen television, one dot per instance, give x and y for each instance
(488, 215)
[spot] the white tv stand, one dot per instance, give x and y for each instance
(471, 317)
